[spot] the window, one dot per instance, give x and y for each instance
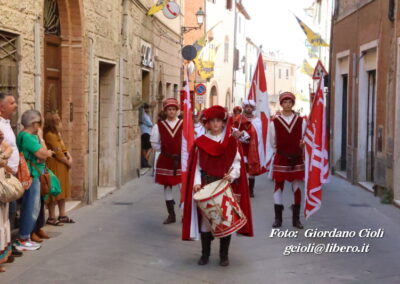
(287, 74)
(229, 4)
(280, 74)
(226, 49)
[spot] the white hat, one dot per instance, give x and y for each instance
(249, 102)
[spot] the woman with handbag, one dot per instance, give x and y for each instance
(5, 235)
(30, 142)
(60, 164)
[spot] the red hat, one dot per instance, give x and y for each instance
(237, 108)
(287, 95)
(170, 102)
(215, 112)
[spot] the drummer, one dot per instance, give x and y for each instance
(215, 156)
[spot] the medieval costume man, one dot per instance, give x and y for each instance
(216, 155)
(166, 137)
(248, 129)
(286, 137)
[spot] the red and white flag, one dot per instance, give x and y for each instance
(258, 93)
(316, 153)
(187, 133)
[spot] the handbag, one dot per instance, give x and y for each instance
(55, 187)
(11, 188)
(45, 182)
(23, 173)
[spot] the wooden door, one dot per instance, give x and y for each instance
(52, 64)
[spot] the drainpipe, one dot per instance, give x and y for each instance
(120, 121)
(37, 82)
(90, 194)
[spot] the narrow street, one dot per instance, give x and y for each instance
(121, 239)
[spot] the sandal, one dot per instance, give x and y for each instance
(54, 222)
(66, 219)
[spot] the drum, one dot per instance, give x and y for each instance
(219, 205)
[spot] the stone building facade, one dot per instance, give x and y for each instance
(281, 77)
(364, 113)
(95, 62)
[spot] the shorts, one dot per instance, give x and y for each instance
(146, 145)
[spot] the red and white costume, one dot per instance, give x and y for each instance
(251, 141)
(286, 134)
(210, 159)
(166, 137)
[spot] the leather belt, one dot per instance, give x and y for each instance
(293, 159)
(175, 158)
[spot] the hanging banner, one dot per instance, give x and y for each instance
(312, 37)
(306, 68)
(157, 7)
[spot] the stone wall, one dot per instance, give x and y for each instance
(96, 32)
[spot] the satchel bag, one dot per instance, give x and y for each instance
(11, 188)
(44, 178)
(23, 173)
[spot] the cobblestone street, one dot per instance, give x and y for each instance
(121, 239)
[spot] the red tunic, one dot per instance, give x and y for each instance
(217, 166)
(288, 161)
(168, 168)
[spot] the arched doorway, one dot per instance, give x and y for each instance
(213, 96)
(63, 76)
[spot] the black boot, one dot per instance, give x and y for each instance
(296, 216)
(251, 186)
(206, 239)
(171, 212)
(223, 251)
(278, 216)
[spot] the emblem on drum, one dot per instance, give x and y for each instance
(218, 204)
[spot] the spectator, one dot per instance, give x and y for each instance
(5, 234)
(30, 142)
(60, 164)
(8, 107)
(145, 127)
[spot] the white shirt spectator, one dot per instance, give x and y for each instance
(9, 137)
(146, 124)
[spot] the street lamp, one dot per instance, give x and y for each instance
(200, 21)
